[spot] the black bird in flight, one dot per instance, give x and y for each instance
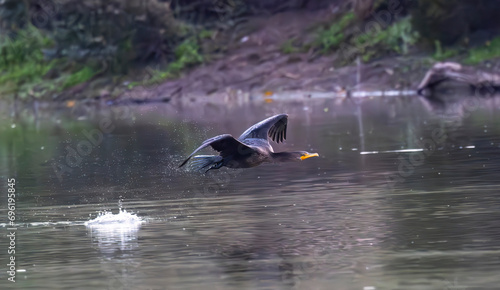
(251, 149)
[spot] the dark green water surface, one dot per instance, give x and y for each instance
(404, 195)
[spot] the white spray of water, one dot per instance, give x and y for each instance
(121, 219)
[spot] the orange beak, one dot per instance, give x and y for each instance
(309, 155)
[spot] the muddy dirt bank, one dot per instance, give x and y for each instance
(255, 65)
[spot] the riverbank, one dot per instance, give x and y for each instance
(270, 57)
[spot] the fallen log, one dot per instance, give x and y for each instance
(484, 83)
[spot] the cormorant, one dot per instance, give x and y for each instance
(251, 149)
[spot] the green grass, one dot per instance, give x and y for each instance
(187, 54)
(441, 54)
(24, 47)
(490, 50)
(288, 46)
(78, 77)
(205, 34)
(21, 59)
(331, 37)
(398, 38)
(23, 68)
(22, 73)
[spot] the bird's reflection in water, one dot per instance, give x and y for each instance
(256, 265)
(258, 260)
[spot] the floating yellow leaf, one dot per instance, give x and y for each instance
(268, 93)
(70, 104)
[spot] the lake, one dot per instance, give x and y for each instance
(405, 195)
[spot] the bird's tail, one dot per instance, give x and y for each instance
(204, 162)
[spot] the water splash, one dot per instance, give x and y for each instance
(121, 219)
(115, 231)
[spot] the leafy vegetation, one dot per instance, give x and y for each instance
(288, 46)
(21, 60)
(489, 51)
(187, 54)
(78, 77)
(453, 21)
(42, 55)
(331, 37)
(398, 38)
(442, 54)
(25, 72)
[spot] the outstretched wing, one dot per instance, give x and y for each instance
(274, 127)
(225, 144)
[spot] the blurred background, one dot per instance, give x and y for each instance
(100, 101)
(64, 49)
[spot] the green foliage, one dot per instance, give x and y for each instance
(489, 51)
(187, 54)
(24, 70)
(288, 46)
(78, 77)
(12, 14)
(21, 58)
(442, 54)
(205, 34)
(24, 47)
(331, 37)
(398, 38)
(453, 21)
(436, 8)
(114, 31)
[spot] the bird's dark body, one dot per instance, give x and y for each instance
(253, 157)
(251, 149)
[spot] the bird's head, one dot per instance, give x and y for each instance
(292, 156)
(304, 155)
